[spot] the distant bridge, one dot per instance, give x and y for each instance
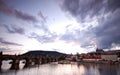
(29, 59)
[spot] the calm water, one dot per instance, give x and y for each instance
(62, 69)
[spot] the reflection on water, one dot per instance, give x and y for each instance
(62, 69)
(6, 64)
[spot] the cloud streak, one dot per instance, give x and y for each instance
(2, 41)
(5, 9)
(47, 35)
(43, 18)
(13, 29)
(44, 38)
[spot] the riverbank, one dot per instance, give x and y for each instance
(98, 61)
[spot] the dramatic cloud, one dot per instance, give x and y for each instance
(47, 36)
(84, 9)
(2, 41)
(44, 38)
(108, 32)
(13, 29)
(105, 12)
(77, 36)
(5, 9)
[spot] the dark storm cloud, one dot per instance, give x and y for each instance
(43, 38)
(108, 32)
(13, 29)
(2, 41)
(106, 13)
(6, 9)
(82, 9)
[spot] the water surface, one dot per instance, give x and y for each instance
(62, 69)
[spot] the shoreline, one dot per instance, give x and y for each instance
(100, 62)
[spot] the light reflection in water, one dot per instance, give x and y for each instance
(81, 69)
(63, 69)
(6, 64)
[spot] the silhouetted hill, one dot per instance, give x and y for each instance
(43, 53)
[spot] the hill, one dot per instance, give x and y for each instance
(43, 53)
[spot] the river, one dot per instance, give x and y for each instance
(62, 69)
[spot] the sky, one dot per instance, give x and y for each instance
(67, 26)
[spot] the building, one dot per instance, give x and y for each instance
(99, 50)
(110, 57)
(100, 54)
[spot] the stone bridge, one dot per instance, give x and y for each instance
(28, 60)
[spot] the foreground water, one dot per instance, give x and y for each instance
(63, 69)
